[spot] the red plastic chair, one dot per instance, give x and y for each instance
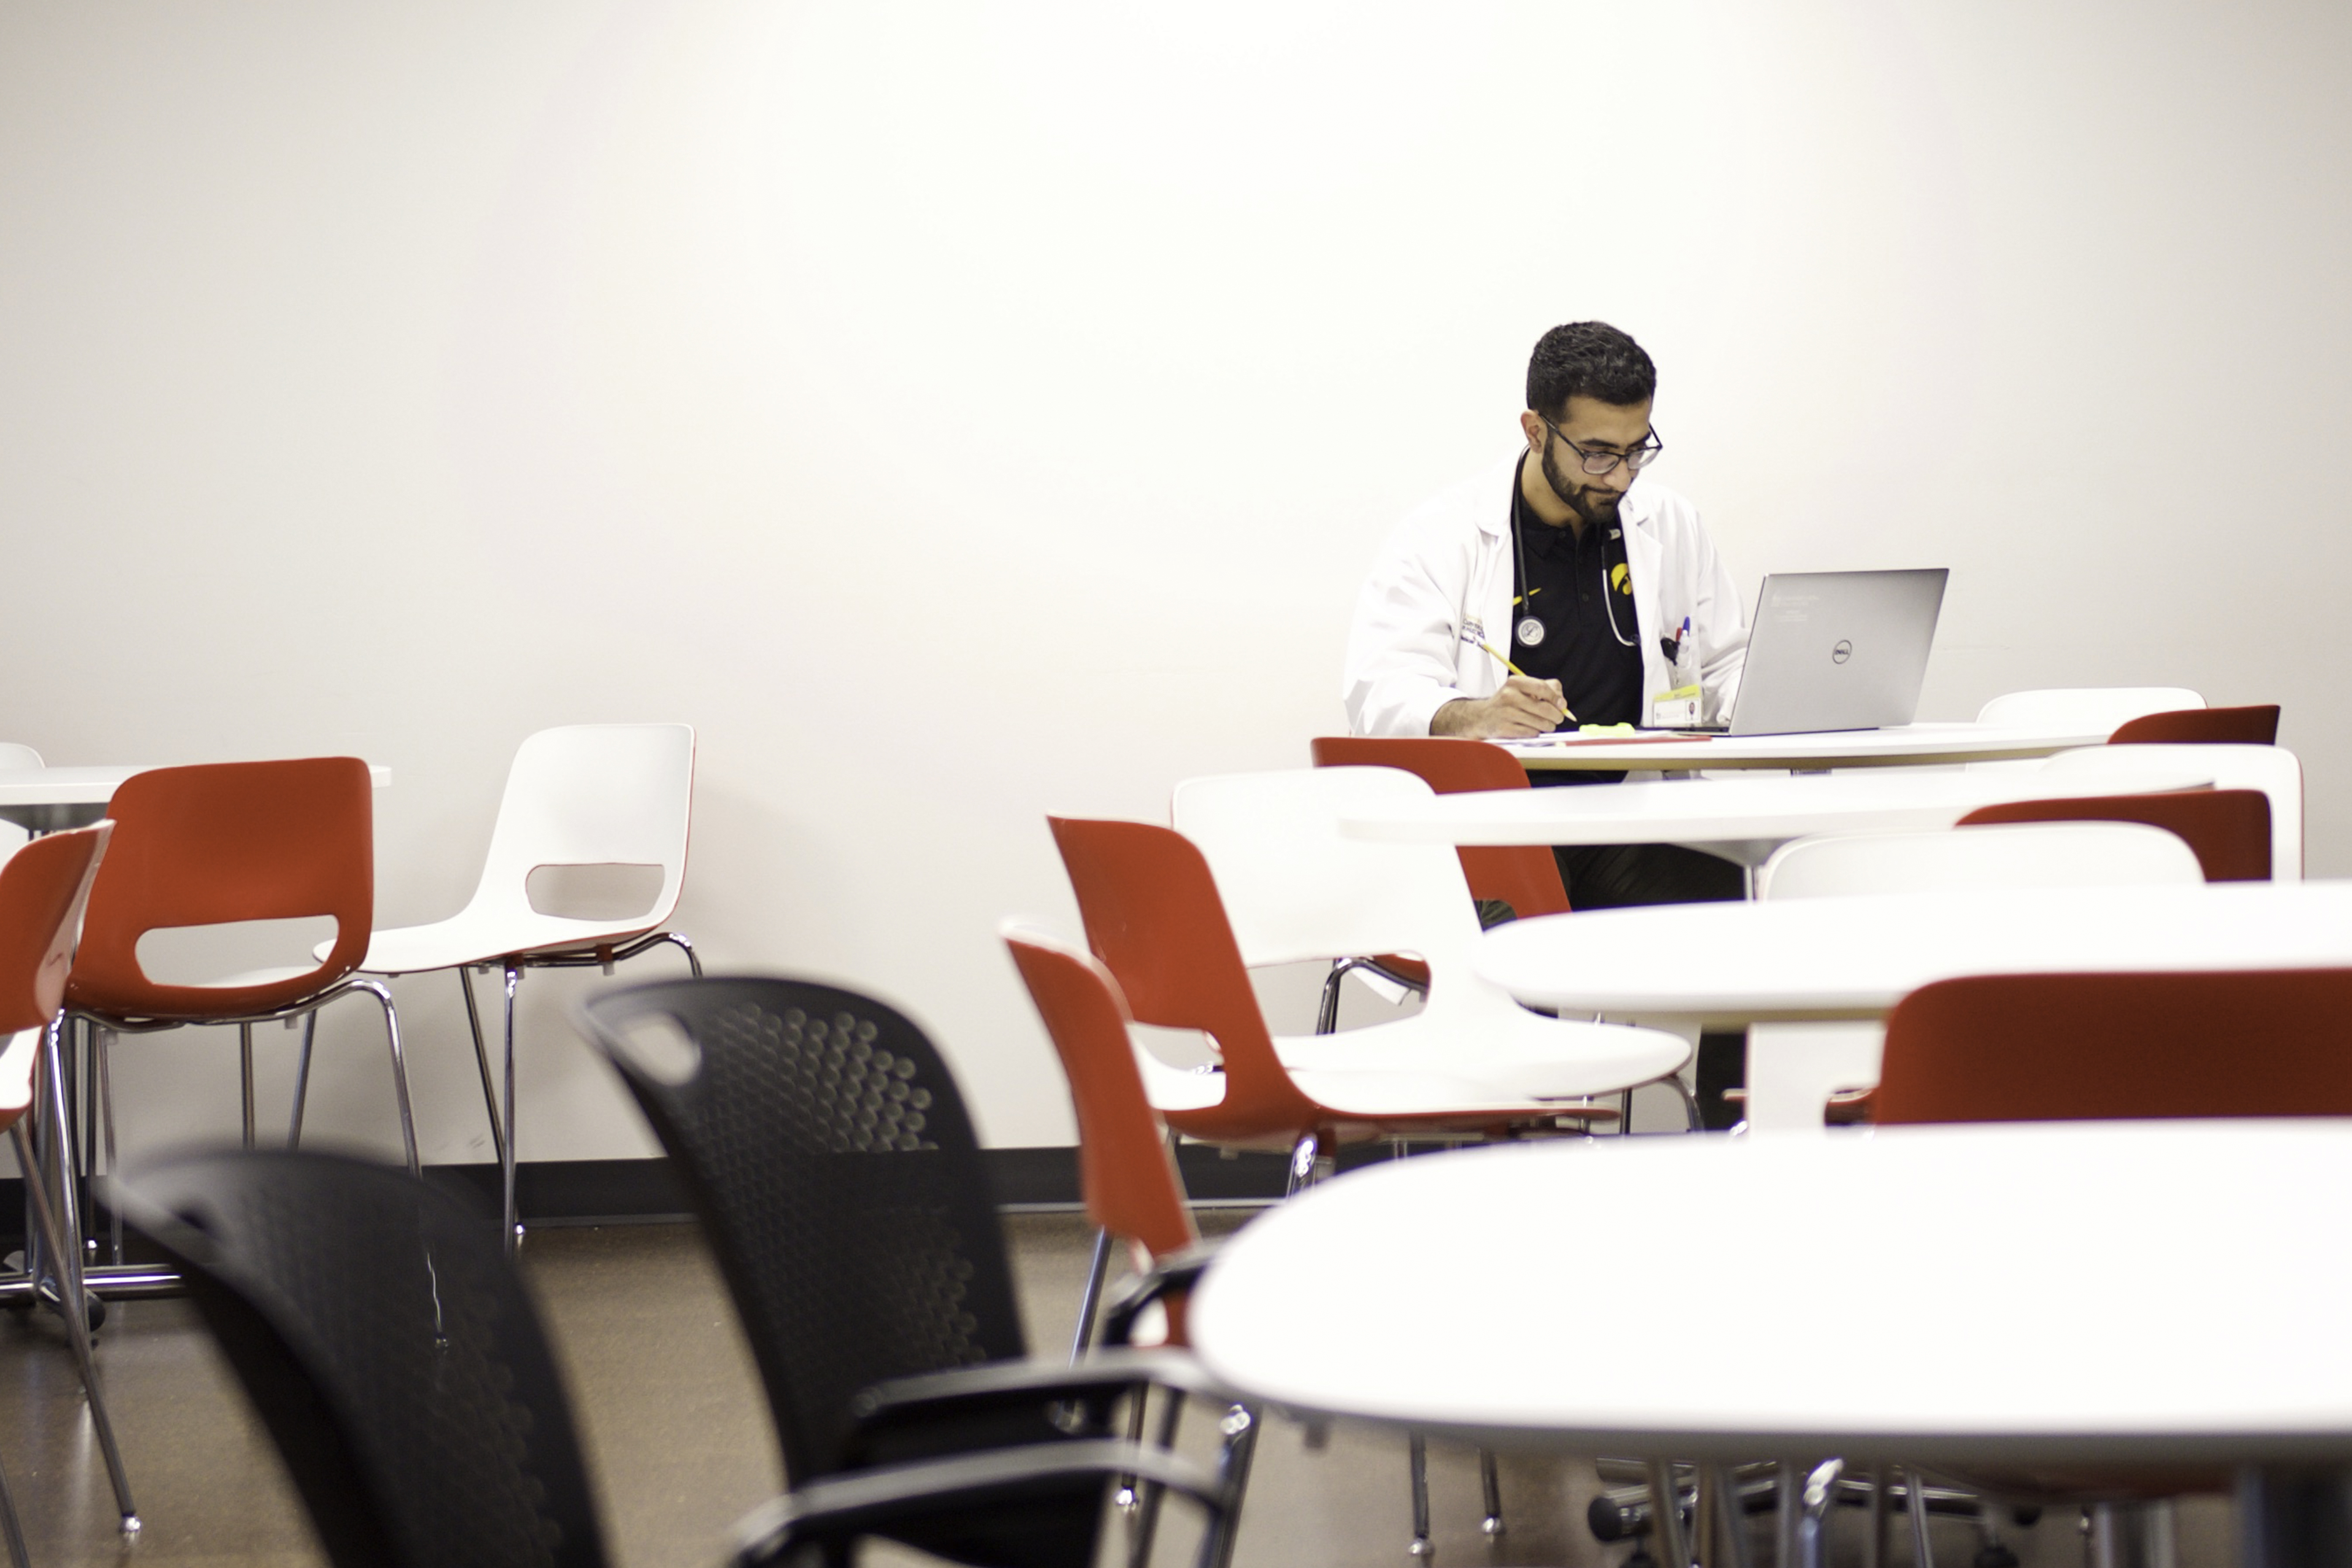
(230, 842)
(2044, 1048)
(1127, 1168)
(1154, 919)
(2229, 829)
(2250, 726)
(1525, 877)
(1126, 1171)
(44, 888)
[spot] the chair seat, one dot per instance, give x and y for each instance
(1515, 1055)
(1529, 1067)
(467, 938)
(1389, 1072)
(268, 976)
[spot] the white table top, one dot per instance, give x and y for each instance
(1909, 744)
(1734, 963)
(2168, 1291)
(1742, 818)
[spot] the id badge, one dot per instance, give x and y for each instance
(1675, 710)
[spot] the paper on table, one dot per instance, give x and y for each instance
(1538, 741)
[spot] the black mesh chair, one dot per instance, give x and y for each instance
(390, 1350)
(823, 1143)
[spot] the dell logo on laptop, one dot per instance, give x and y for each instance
(1839, 654)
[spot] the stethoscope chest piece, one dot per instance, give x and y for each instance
(1529, 631)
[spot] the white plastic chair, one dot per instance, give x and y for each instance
(586, 795)
(2273, 770)
(1812, 1065)
(2091, 707)
(1295, 890)
(2019, 855)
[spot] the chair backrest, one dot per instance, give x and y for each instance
(1154, 916)
(2091, 707)
(2256, 725)
(593, 795)
(1525, 877)
(2028, 855)
(15, 758)
(2230, 830)
(2273, 770)
(1125, 1170)
(390, 1351)
(825, 1147)
(2038, 1047)
(1296, 888)
(42, 889)
(223, 843)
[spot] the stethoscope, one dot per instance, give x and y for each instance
(1531, 631)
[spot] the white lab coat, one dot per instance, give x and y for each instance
(1443, 584)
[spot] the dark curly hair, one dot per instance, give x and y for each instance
(1588, 359)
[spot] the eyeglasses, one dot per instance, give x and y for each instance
(1598, 462)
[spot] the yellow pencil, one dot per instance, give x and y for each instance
(1523, 675)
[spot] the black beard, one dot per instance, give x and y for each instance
(1579, 498)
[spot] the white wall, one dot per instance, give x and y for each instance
(964, 412)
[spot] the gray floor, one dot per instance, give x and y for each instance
(677, 1435)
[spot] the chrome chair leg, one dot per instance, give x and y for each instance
(302, 1078)
(1874, 1550)
(245, 1076)
(9, 1525)
(101, 1046)
(1812, 1524)
(383, 993)
(65, 1255)
(77, 1323)
(1694, 1122)
(1326, 1010)
(2159, 1533)
(1914, 1502)
(1090, 1299)
(1787, 1497)
(1147, 1517)
(1239, 1429)
(1666, 1516)
(677, 939)
(1732, 1509)
(506, 1151)
(482, 1061)
(1490, 1488)
(1417, 1476)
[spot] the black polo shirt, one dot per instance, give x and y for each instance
(1579, 587)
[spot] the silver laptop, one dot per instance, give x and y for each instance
(1837, 650)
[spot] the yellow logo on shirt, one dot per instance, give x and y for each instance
(1621, 579)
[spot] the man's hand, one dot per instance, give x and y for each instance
(1523, 707)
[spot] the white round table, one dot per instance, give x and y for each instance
(2170, 1292)
(1784, 967)
(1734, 963)
(1906, 745)
(1740, 819)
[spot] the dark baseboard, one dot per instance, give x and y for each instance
(645, 1191)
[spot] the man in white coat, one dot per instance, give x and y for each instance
(1607, 595)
